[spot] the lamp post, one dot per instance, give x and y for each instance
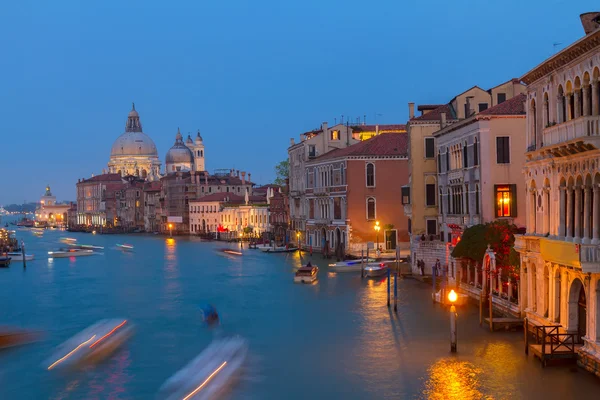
(298, 239)
(377, 228)
(241, 241)
(452, 296)
(171, 230)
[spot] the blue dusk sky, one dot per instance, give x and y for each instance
(249, 74)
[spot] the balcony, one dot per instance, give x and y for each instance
(455, 176)
(408, 210)
(321, 191)
(573, 129)
(322, 221)
(590, 258)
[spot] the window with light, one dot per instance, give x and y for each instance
(505, 200)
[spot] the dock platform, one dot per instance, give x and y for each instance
(505, 323)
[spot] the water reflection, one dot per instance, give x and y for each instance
(453, 379)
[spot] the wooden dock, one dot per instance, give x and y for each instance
(551, 343)
(505, 323)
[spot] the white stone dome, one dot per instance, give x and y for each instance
(133, 142)
(179, 153)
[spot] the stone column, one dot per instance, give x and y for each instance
(596, 216)
(528, 223)
(586, 102)
(586, 214)
(577, 103)
(569, 192)
(577, 235)
(595, 99)
(561, 212)
(569, 115)
(559, 109)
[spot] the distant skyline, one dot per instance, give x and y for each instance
(249, 75)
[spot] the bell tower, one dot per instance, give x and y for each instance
(198, 149)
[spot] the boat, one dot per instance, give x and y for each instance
(349, 265)
(63, 253)
(278, 249)
(307, 274)
(5, 262)
(376, 269)
(18, 256)
(126, 247)
(68, 240)
(38, 233)
(10, 337)
(92, 344)
(26, 223)
(84, 246)
(232, 252)
(209, 374)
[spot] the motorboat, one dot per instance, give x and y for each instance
(125, 247)
(64, 253)
(349, 265)
(10, 337)
(376, 269)
(18, 256)
(84, 246)
(307, 274)
(92, 344)
(231, 251)
(68, 240)
(209, 374)
(278, 249)
(5, 262)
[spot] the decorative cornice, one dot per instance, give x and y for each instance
(571, 53)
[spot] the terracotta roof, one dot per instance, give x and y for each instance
(385, 144)
(424, 107)
(382, 127)
(223, 196)
(103, 178)
(435, 115)
(514, 106)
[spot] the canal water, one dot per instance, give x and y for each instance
(334, 339)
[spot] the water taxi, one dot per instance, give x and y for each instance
(376, 269)
(84, 246)
(349, 265)
(231, 252)
(125, 247)
(307, 274)
(209, 374)
(278, 249)
(63, 253)
(92, 344)
(18, 256)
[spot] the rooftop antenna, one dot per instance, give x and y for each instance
(335, 121)
(342, 118)
(555, 45)
(365, 119)
(377, 115)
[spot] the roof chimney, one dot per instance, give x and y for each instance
(443, 120)
(243, 178)
(411, 110)
(468, 110)
(376, 129)
(324, 126)
(249, 174)
(291, 141)
(590, 21)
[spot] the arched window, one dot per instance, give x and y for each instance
(546, 110)
(476, 152)
(465, 156)
(476, 199)
(370, 175)
(371, 214)
(533, 115)
(201, 153)
(447, 159)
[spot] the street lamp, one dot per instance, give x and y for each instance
(377, 228)
(171, 230)
(452, 296)
(298, 239)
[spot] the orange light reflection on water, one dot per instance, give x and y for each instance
(453, 380)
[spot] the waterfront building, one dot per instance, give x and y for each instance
(421, 196)
(130, 199)
(560, 252)
(134, 152)
(229, 214)
(481, 158)
(314, 144)
(97, 200)
(152, 206)
(49, 212)
(348, 190)
(279, 215)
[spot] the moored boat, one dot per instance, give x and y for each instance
(91, 344)
(4, 262)
(63, 253)
(18, 256)
(376, 269)
(210, 373)
(280, 249)
(307, 274)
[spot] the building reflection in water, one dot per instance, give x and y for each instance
(453, 380)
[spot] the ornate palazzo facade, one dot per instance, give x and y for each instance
(560, 253)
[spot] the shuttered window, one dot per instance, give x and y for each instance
(503, 150)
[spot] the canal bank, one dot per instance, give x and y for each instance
(333, 339)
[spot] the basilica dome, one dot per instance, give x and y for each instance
(133, 142)
(179, 157)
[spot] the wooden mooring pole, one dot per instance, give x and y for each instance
(23, 253)
(395, 291)
(388, 289)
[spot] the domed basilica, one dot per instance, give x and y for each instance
(134, 153)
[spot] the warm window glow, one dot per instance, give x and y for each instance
(335, 135)
(503, 201)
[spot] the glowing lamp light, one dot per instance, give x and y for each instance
(452, 296)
